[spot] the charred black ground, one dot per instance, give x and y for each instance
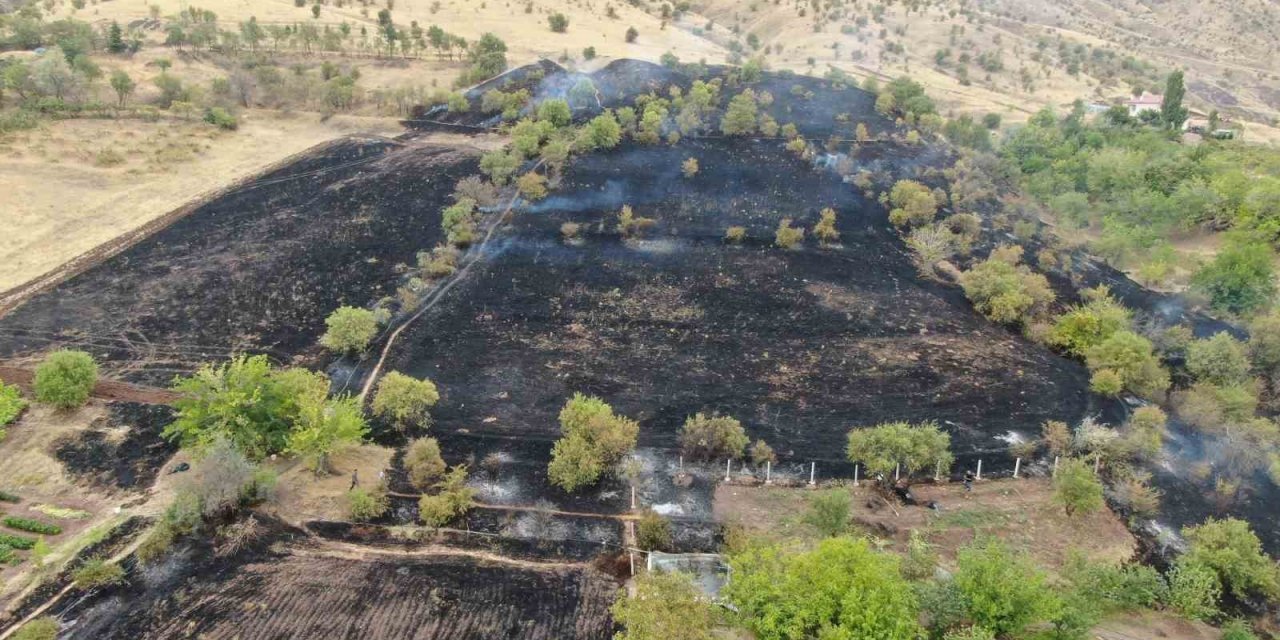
(122, 450)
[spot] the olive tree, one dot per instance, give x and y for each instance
(349, 330)
(593, 439)
(893, 445)
(712, 437)
(404, 399)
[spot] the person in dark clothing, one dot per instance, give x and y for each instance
(968, 481)
(355, 479)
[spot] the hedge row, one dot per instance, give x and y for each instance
(5, 496)
(33, 526)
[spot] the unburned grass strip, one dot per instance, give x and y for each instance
(32, 526)
(17, 542)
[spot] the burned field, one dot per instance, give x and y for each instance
(800, 345)
(255, 270)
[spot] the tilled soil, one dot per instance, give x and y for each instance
(429, 598)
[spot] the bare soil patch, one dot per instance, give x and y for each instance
(1019, 512)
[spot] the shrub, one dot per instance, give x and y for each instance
(629, 224)
(350, 330)
(1194, 591)
(221, 118)
(592, 439)
(1238, 630)
(1003, 591)
(364, 506)
(559, 22)
(969, 633)
(735, 235)
(499, 165)
(1057, 437)
(555, 111)
(1087, 325)
(1240, 279)
(913, 204)
(713, 437)
(1106, 383)
(11, 404)
(65, 379)
(1133, 360)
(1218, 360)
(404, 399)
(825, 230)
(532, 185)
(885, 447)
(1140, 498)
(665, 606)
(653, 532)
(1077, 488)
(689, 167)
(1233, 552)
(761, 453)
(601, 132)
(1004, 290)
(5, 496)
(32, 526)
(97, 572)
(423, 462)
(570, 230)
(783, 595)
(323, 426)
(787, 236)
(42, 628)
(740, 118)
(829, 512)
(157, 541)
(456, 103)
(632, 34)
(454, 499)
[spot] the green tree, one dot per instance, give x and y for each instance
(1172, 113)
(555, 111)
(741, 116)
(887, 447)
(323, 426)
(1264, 344)
(65, 379)
(843, 589)
(665, 606)
(364, 505)
(123, 85)
(1230, 549)
(913, 204)
(243, 401)
(488, 57)
(404, 399)
(1240, 279)
(423, 462)
(1084, 326)
(592, 439)
(349, 330)
(713, 437)
(1003, 591)
(115, 38)
(1219, 360)
(1077, 488)
(1130, 357)
(1194, 591)
(1004, 290)
(601, 132)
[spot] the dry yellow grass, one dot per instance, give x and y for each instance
(75, 184)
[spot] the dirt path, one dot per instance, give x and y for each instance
(104, 389)
(473, 257)
(350, 551)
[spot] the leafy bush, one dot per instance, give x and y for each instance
(97, 572)
(1218, 360)
(713, 437)
(653, 532)
(349, 330)
(1077, 488)
(741, 116)
(787, 236)
(323, 426)
(1004, 290)
(404, 399)
(65, 379)
(1194, 591)
(423, 462)
(630, 224)
(1240, 279)
(1230, 549)
(689, 167)
(42, 628)
(970, 633)
(363, 505)
(735, 235)
(1003, 591)
(559, 22)
(841, 589)
(829, 512)
(1133, 360)
(1057, 437)
(5, 496)
(454, 499)
(11, 404)
(1238, 630)
(592, 439)
(221, 118)
(825, 230)
(665, 606)
(532, 185)
(32, 526)
(555, 111)
(882, 448)
(913, 204)
(761, 453)
(1085, 326)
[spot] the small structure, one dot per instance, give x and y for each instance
(1145, 102)
(709, 571)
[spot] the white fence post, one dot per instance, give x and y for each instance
(979, 474)
(813, 470)
(855, 475)
(897, 471)
(768, 472)
(1017, 466)
(633, 497)
(1055, 466)
(937, 472)
(728, 468)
